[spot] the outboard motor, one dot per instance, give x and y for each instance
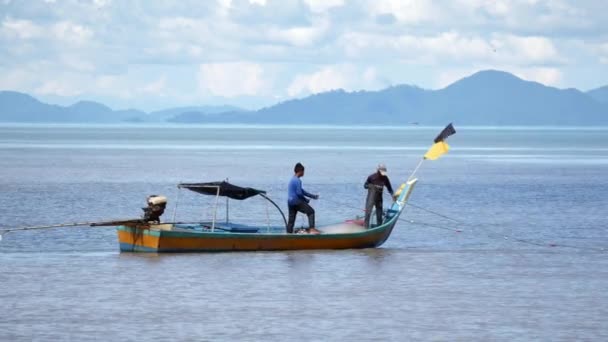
(156, 207)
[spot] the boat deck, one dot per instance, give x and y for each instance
(230, 227)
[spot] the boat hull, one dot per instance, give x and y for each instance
(160, 241)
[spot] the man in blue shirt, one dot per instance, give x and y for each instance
(297, 201)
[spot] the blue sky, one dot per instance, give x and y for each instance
(155, 54)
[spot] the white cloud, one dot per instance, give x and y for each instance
(447, 46)
(23, 29)
(546, 76)
(493, 7)
(107, 82)
(451, 47)
(498, 7)
(347, 77)
(101, 3)
(199, 40)
(74, 63)
(63, 30)
(178, 23)
(70, 84)
(224, 7)
(527, 49)
(319, 6)
(59, 88)
(70, 32)
(303, 36)
(258, 2)
(17, 79)
(156, 87)
(120, 86)
(232, 79)
(406, 11)
(323, 80)
(519, 16)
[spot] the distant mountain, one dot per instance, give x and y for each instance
(181, 114)
(339, 107)
(599, 94)
(18, 107)
(207, 117)
(499, 98)
(485, 98)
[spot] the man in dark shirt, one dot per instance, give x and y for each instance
(375, 184)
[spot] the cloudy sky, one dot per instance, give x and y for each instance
(154, 54)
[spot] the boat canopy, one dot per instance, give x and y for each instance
(222, 188)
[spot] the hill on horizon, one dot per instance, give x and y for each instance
(485, 98)
(599, 94)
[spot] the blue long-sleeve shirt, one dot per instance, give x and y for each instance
(295, 193)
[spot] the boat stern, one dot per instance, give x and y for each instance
(136, 239)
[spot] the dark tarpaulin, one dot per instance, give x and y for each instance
(226, 189)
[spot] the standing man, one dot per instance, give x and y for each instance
(375, 184)
(297, 201)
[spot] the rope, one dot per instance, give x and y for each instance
(471, 228)
(430, 225)
(434, 213)
(499, 236)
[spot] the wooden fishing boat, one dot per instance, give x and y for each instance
(148, 234)
(217, 236)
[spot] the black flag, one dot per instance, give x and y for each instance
(447, 131)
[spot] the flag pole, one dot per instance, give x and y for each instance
(415, 170)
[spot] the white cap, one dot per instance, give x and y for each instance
(382, 169)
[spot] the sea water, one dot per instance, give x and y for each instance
(506, 237)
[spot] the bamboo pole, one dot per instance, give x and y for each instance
(74, 224)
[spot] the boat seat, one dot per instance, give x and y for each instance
(233, 228)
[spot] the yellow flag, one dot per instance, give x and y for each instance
(437, 150)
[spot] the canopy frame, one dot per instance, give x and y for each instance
(227, 190)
